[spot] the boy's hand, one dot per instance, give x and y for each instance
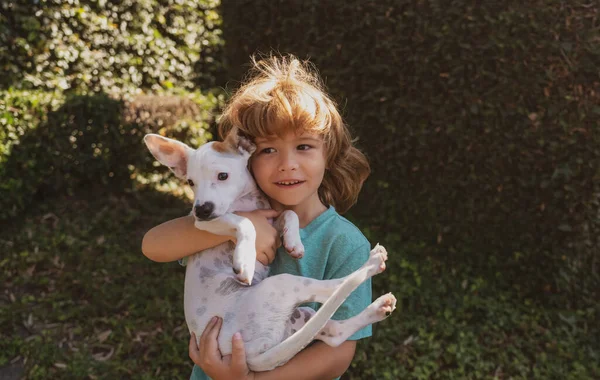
(208, 357)
(267, 238)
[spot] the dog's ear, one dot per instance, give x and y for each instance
(169, 152)
(238, 142)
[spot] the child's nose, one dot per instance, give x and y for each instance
(288, 162)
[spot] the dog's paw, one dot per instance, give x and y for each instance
(382, 307)
(377, 259)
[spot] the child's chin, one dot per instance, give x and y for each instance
(285, 201)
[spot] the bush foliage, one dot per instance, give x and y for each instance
(71, 107)
(480, 121)
(109, 45)
(53, 143)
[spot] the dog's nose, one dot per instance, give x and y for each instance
(204, 210)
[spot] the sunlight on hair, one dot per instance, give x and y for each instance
(282, 94)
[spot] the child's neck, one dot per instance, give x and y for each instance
(307, 212)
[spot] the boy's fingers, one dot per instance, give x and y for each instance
(264, 258)
(193, 344)
(203, 337)
(193, 350)
(271, 252)
(269, 213)
(211, 344)
(268, 253)
(238, 352)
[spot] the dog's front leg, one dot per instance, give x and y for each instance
(288, 226)
(244, 255)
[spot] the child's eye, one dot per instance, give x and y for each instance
(304, 147)
(268, 150)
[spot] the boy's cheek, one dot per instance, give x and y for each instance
(260, 172)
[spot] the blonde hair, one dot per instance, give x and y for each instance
(281, 95)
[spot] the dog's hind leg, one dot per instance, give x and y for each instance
(281, 353)
(336, 332)
(294, 290)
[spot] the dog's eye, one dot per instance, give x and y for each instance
(190, 182)
(223, 176)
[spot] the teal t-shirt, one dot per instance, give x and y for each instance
(333, 248)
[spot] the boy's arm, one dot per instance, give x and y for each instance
(317, 361)
(179, 238)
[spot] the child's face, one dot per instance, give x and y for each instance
(289, 170)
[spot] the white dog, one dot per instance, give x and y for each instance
(272, 325)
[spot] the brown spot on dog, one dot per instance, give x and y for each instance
(238, 143)
(306, 317)
(245, 144)
(221, 147)
(227, 286)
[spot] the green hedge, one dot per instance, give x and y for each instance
(81, 61)
(53, 143)
(109, 46)
(480, 121)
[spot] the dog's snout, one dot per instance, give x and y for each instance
(204, 210)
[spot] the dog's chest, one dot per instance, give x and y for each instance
(211, 270)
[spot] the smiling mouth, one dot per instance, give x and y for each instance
(288, 183)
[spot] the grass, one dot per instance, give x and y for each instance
(81, 301)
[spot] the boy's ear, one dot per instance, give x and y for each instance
(169, 152)
(237, 142)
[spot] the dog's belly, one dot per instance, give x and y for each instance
(211, 290)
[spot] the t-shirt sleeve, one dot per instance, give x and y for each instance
(344, 264)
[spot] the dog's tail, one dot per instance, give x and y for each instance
(286, 350)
